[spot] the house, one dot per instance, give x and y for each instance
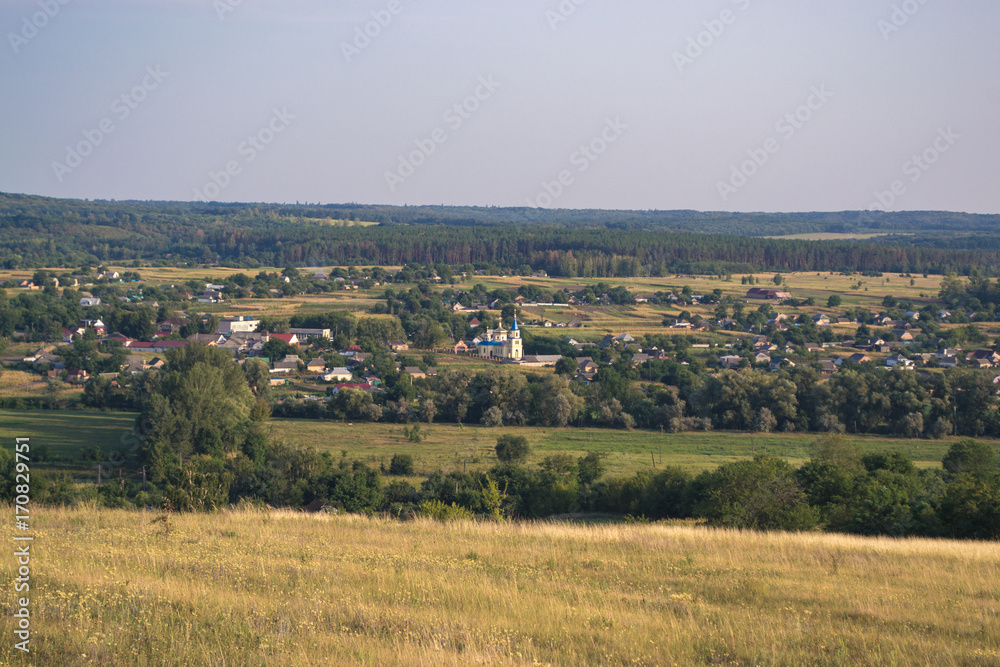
(586, 365)
(338, 374)
(290, 338)
(171, 325)
(911, 315)
(210, 296)
(576, 324)
(134, 365)
(207, 339)
(285, 367)
(948, 362)
(155, 363)
(859, 358)
(769, 294)
(730, 361)
(241, 323)
(827, 367)
(398, 345)
(415, 372)
(501, 344)
(762, 358)
(157, 345)
(777, 363)
(539, 360)
(902, 334)
(77, 376)
(821, 319)
(88, 302)
(947, 352)
(316, 365)
(989, 356)
(681, 324)
(898, 360)
(474, 322)
(314, 333)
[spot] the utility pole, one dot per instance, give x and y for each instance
(98, 474)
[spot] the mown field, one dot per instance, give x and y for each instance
(249, 588)
(450, 446)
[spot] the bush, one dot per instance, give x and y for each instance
(971, 456)
(436, 509)
(760, 494)
(401, 464)
(512, 448)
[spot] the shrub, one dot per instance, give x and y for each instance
(761, 494)
(512, 448)
(401, 464)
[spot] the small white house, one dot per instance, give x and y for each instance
(87, 302)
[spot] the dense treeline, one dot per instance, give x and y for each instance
(202, 438)
(677, 396)
(39, 231)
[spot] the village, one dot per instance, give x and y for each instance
(308, 361)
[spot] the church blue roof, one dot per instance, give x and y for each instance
(513, 327)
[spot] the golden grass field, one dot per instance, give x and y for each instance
(115, 587)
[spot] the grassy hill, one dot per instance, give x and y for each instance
(279, 588)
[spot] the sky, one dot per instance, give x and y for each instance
(716, 105)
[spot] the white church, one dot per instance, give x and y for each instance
(501, 344)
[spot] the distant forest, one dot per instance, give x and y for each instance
(40, 231)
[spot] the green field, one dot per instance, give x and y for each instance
(450, 446)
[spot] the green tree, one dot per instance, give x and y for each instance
(761, 494)
(512, 448)
(972, 457)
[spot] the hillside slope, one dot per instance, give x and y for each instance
(255, 588)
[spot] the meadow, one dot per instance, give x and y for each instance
(452, 447)
(248, 587)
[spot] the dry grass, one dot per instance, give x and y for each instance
(279, 588)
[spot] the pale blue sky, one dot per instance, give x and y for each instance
(665, 133)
